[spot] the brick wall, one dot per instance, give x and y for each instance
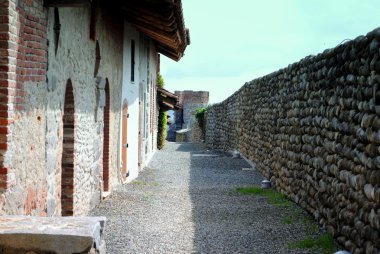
(23, 51)
(313, 128)
(185, 118)
(40, 171)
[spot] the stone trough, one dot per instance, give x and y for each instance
(27, 234)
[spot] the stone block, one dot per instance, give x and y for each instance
(52, 234)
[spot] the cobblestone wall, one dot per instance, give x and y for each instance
(313, 128)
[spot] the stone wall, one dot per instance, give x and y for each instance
(185, 118)
(35, 88)
(75, 60)
(313, 128)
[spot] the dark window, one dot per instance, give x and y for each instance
(132, 60)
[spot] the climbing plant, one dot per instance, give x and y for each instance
(162, 123)
(160, 81)
(200, 116)
(162, 118)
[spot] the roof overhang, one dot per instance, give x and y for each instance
(161, 20)
(167, 100)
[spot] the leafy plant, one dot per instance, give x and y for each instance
(160, 81)
(162, 124)
(162, 118)
(200, 116)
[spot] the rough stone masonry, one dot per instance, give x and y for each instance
(313, 128)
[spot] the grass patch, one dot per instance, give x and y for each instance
(296, 216)
(144, 183)
(324, 243)
(288, 221)
(273, 197)
(321, 243)
(139, 182)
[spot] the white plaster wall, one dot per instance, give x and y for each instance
(151, 141)
(145, 95)
(130, 93)
(145, 72)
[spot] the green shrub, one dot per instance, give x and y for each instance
(200, 116)
(162, 118)
(162, 124)
(160, 81)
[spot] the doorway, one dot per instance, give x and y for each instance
(124, 143)
(67, 177)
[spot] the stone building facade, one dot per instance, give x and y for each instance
(77, 85)
(190, 101)
(313, 129)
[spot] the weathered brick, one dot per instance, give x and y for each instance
(3, 171)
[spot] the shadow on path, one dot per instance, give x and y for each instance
(185, 202)
(226, 221)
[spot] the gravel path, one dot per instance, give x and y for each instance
(184, 202)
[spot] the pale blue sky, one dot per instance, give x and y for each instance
(233, 42)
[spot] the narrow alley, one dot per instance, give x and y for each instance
(185, 201)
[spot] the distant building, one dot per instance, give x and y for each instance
(190, 101)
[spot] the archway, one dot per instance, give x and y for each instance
(67, 177)
(106, 137)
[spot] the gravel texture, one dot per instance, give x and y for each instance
(184, 202)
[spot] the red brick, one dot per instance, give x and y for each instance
(5, 122)
(4, 113)
(3, 171)
(3, 146)
(3, 178)
(4, 130)
(4, 19)
(3, 185)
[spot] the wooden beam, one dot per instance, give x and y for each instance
(157, 23)
(66, 3)
(169, 41)
(166, 15)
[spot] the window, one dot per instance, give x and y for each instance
(132, 61)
